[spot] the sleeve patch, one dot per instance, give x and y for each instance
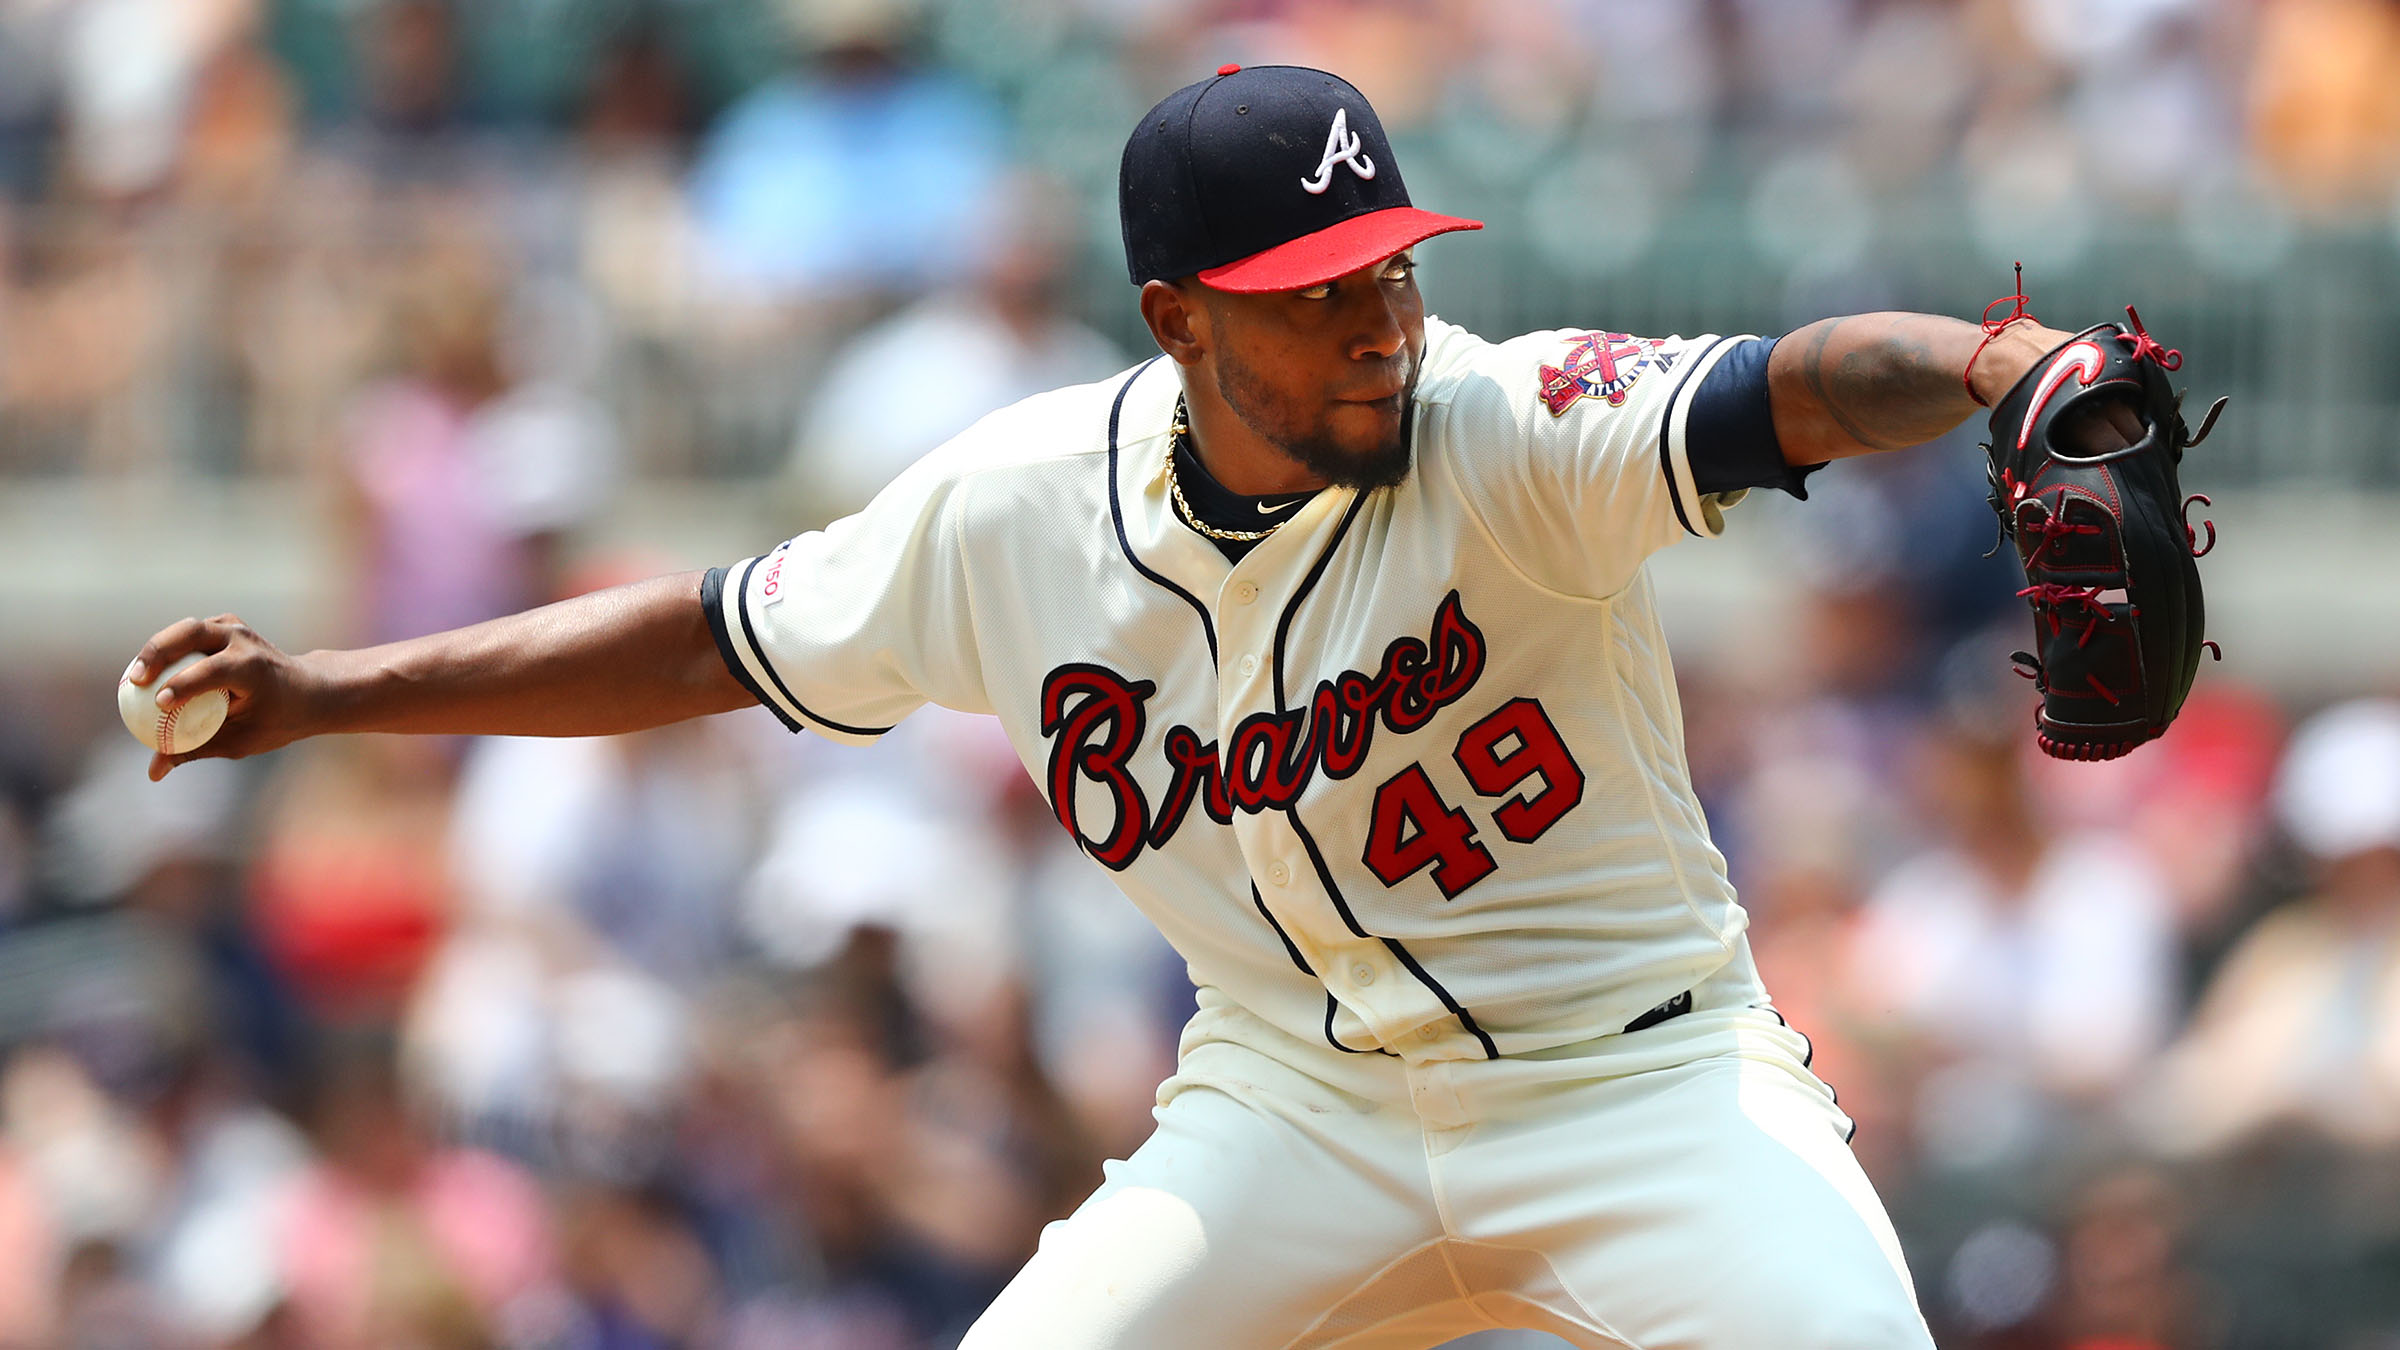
(1602, 366)
(771, 586)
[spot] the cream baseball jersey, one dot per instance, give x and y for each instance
(1409, 775)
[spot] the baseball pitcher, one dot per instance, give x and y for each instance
(1327, 630)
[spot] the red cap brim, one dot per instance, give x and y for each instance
(1313, 259)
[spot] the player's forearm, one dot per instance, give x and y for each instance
(618, 660)
(1864, 383)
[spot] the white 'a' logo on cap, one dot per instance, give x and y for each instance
(1341, 147)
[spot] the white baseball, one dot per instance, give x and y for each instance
(177, 731)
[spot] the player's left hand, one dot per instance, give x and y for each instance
(2084, 465)
(2093, 428)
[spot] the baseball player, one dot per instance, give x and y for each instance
(1327, 630)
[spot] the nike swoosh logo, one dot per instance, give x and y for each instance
(1266, 510)
(2080, 359)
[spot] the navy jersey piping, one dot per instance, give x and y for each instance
(1465, 1018)
(1333, 1006)
(1283, 626)
(1116, 515)
(1292, 949)
(741, 604)
(712, 600)
(1807, 1060)
(1666, 462)
(1316, 858)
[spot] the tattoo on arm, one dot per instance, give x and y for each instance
(1888, 380)
(1881, 380)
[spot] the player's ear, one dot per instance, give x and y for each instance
(1178, 321)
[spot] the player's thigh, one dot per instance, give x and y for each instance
(1232, 1226)
(1713, 1205)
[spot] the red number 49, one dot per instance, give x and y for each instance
(1413, 828)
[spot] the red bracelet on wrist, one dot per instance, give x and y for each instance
(1992, 328)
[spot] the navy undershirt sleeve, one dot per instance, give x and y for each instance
(1730, 433)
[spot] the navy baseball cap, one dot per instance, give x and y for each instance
(1272, 178)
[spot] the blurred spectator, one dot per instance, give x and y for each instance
(169, 857)
(464, 475)
(103, 1306)
(857, 177)
(208, 1246)
(597, 879)
(859, 852)
(640, 1275)
(2325, 116)
(2125, 1285)
(858, 170)
(913, 381)
(240, 131)
(2194, 802)
(114, 830)
(638, 101)
(30, 40)
(393, 1240)
(349, 896)
(411, 107)
(637, 841)
(81, 330)
(1904, 94)
(130, 68)
(1108, 996)
(2301, 1026)
(28, 1277)
(2025, 959)
(83, 1157)
(896, 1219)
(633, 242)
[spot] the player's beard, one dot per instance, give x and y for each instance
(1314, 448)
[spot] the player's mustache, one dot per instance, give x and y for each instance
(1396, 376)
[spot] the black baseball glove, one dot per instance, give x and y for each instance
(2104, 535)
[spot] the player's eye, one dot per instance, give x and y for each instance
(1395, 272)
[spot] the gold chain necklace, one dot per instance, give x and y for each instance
(1175, 437)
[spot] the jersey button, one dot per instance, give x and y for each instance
(1245, 592)
(1249, 665)
(1429, 1032)
(1278, 873)
(1363, 973)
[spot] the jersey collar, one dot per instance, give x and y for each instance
(1157, 542)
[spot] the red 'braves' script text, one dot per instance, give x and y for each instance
(1095, 718)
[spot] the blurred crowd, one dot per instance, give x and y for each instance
(718, 1038)
(219, 217)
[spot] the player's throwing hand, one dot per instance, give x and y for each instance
(272, 699)
(613, 661)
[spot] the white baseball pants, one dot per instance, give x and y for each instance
(1685, 1187)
